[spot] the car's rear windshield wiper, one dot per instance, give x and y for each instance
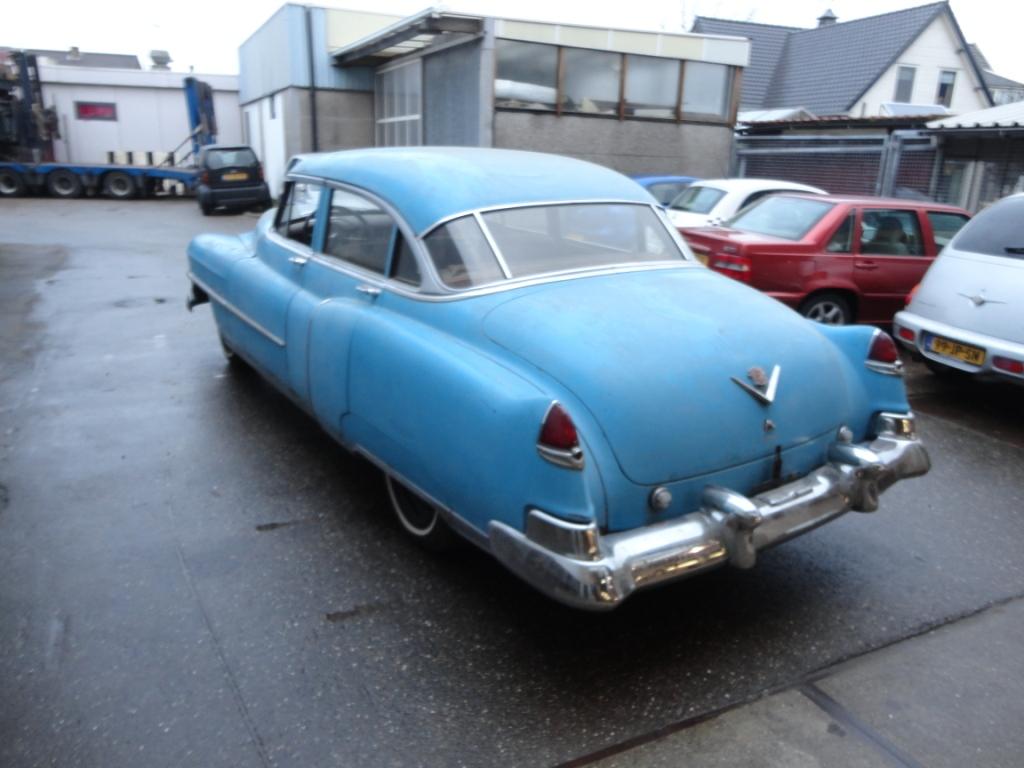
(1019, 249)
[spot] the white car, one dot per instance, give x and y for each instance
(968, 312)
(712, 201)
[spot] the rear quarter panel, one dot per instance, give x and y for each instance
(458, 423)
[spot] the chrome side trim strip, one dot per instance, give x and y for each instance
(236, 311)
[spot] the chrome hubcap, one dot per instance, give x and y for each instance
(827, 313)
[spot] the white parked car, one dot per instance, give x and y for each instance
(968, 312)
(712, 201)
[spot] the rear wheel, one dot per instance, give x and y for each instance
(62, 183)
(11, 183)
(420, 518)
(828, 309)
(206, 208)
(118, 185)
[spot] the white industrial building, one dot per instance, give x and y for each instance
(104, 112)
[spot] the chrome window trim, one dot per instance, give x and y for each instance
(236, 311)
(439, 292)
(494, 245)
(292, 245)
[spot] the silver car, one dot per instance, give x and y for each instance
(968, 312)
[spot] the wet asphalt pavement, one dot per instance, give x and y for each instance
(192, 573)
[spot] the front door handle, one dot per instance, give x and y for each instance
(300, 260)
(865, 264)
(369, 290)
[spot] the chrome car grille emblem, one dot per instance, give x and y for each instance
(762, 387)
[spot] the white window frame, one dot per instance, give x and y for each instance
(412, 119)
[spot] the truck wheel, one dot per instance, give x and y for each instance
(828, 309)
(420, 518)
(62, 183)
(11, 183)
(118, 185)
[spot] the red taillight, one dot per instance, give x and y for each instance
(558, 431)
(205, 177)
(259, 172)
(883, 349)
(558, 441)
(905, 333)
(1008, 364)
(736, 267)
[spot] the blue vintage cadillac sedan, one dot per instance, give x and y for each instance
(527, 349)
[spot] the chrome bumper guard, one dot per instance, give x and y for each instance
(577, 565)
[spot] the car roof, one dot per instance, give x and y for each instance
(653, 179)
(427, 184)
(871, 200)
(754, 185)
(215, 147)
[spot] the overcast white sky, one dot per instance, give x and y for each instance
(207, 34)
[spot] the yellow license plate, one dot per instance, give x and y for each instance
(965, 352)
(235, 176)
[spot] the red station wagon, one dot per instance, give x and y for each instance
(836, 259)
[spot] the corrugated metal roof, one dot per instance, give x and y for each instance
(1004, 116)
(88, 59)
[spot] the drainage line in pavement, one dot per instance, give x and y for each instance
(851, 722)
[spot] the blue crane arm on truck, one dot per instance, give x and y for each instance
(27, 129)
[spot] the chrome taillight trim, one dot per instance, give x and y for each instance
(571, 458)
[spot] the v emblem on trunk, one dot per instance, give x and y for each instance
(763, 389)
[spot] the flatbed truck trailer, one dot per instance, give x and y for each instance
(69, 180)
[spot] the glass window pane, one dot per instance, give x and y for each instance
(554, 238)
(904, 85)
(297, 218)
(404, 268)
(995, 231)
(527, 75)
(890, 233)
(945, 225)
(944, 95)
(591, 81)
(842, 240)
(461, 254)
(787, 217)
(652, 86)
(705, 88)
(359, 231)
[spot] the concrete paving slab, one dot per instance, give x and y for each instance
(951, 697)
(786, 730)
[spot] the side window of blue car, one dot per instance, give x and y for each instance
(362, 233)
(296, 218)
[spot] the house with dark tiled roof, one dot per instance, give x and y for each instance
(914, 61)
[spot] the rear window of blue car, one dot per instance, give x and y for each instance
(781, 216)
(539, 240)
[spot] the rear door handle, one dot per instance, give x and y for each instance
(369, 290)
(862, 264)
(300, 260)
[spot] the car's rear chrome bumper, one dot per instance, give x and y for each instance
(577, 565)
(994, 347)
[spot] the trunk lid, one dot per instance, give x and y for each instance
(975, 292)
(652, 356)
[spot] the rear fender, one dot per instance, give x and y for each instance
(459, 425)
(870, 391)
